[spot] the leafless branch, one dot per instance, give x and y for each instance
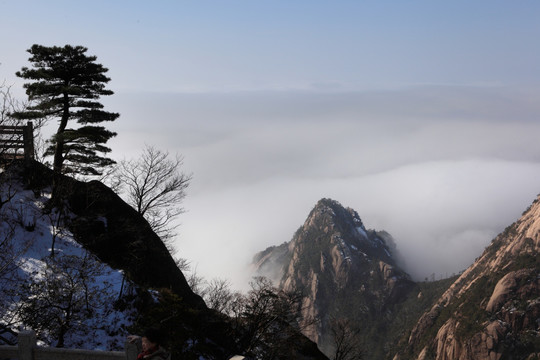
(155, 186)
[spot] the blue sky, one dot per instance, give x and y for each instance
(421, 115)
(245, 45)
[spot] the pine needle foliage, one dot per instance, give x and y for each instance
(65, 84)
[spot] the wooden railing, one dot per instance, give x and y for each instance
(27, 349)
(15, 138)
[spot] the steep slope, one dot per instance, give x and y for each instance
(111, 229)
(345, 271)
(492, 311)
(88, 225)
(91, 245)
(28, 238)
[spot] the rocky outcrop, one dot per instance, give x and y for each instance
(482, 345)
(270, 262)
(492, 311)
(120, 236)
(344, 270)
(99, 220)
(509, 287)
(113, 231)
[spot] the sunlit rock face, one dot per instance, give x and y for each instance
(344, 269)
(492, 311)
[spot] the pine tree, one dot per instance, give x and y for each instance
(66, 85)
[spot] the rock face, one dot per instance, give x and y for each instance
(104, 224)
(121, 237)
(492, 311)
(345, 271)
(112, 230)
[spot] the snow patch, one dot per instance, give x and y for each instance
(362, 232)
(28, 237)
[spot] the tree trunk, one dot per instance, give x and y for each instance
(59, 150)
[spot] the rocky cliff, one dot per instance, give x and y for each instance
(345, 272)
(119, 236)
(98, 219)
(492, 311)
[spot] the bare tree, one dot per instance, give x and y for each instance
(56, 219)
(11, 218)
(112, 178)
(12, 247)
(63, 295)
(346, 339)
(195, 281)
(156, 187)
(9, 106)
(7, 189)
(219, 296)
(9, 275)
(267, 320)
(216, 293)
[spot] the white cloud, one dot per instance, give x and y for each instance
(442, 214)
(443, 169)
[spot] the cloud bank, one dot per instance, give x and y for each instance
(442, 168)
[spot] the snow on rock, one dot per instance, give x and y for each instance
(29, 236)
(362, 232)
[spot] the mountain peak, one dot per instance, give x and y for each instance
(333, 208)
(329, 220)
(336, 262)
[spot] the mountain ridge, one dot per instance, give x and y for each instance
(345, 270)
(493, 309)
(119, 236)
(87, 224)
(490, 311)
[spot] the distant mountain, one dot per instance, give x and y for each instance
(492, 311)
(348, 274)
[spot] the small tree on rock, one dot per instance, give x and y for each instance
(65, 84)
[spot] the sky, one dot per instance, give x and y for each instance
(423, 116)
